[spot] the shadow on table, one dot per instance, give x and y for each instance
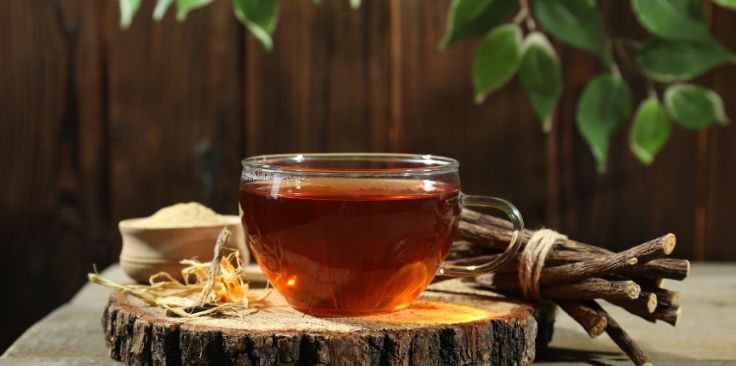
(566, 356)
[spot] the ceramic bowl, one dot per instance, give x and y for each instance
(147, 251)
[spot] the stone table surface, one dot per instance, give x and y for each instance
(706, 334)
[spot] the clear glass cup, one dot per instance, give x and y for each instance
(353, 234)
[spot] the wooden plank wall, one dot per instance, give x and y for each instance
(175, 112)
(100, 124)
(54, 213)
(719, 154)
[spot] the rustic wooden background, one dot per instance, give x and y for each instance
(100, 124)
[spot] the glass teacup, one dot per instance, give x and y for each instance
(353, 234)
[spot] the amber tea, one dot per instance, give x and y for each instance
(341, 246)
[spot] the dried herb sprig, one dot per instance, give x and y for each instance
(215, 288)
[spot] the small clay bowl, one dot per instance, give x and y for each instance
(147, 251)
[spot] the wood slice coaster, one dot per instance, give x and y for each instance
(451, 324)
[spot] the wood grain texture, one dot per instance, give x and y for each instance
(500, 144)
(452, 324)
(720, 234)
(53, 197)
(175, 112)
(100, 124)
(324, 87)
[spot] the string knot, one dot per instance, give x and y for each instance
(532, 260)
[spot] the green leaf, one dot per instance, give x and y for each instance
(541, 75)
(650, 130)
(473, 18)
(694, 107)
(673, 19)
(318, 2)
(601, 111)
(666, 60)
(161, 7)
(183, 7)
(731, 4)
(575, 22)
(496, 59)
(128, 8)
(259, 17)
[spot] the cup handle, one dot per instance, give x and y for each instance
(448, 269)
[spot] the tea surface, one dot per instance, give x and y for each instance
(340, 247)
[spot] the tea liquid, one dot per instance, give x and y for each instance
(342, 247)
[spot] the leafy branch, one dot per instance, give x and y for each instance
(681, 47)
(260, 17)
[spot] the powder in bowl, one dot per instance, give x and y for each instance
(189, 214)
(185, 230)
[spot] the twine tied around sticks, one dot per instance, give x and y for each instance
(532, 260)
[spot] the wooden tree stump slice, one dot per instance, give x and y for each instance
(452, 324)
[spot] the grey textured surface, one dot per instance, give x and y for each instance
(706, 335)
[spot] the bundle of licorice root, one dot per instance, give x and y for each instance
(574, 275)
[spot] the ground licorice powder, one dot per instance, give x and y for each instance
(181, 215)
